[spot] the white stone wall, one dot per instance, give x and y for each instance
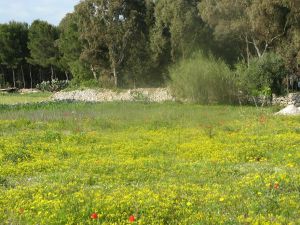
(290, 99)
(151, 95)
(105, 95)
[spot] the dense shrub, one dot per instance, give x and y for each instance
(203, 79)
(263, 76)
(80, 72)
(106, 80)
(83, 77)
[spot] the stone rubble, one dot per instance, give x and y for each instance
(105, 95)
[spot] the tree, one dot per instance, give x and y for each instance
(42, 45)
(70, 47)
(289, 47)
(259, 23)
(107, 28)
(138, 66)
(178, 29)
(13, 46)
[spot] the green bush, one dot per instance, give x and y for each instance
(83, 77)
(263, 76)
(203, 79)
(80, 72)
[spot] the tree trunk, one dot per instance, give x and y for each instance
(182, 50)
(23, 77)
(3, 75)
(30, 74)
(115, 76)
(67, 76)
(94, 72)
(248, 51)
(257, 49)
(263, 101)
(14, 77)
(40, 73)
(239, 98)
(254, 99)
(287, 84)
(52, 73)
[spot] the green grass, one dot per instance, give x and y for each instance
(163, 163)
(23, 98)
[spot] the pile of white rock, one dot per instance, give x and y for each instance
(290, 110)
(105, 95)
(290, 99)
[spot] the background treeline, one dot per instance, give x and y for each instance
(252, 46)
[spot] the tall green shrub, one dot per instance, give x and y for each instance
(80, 72)
(203, 79)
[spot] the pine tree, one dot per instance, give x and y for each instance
(42, 45)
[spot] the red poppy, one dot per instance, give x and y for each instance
(131, 218)
(262, 119)
(21, 210)
(276, 186)
(94, 216)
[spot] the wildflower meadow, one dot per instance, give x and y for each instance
(139, 163)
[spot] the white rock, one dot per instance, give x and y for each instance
(289, 110)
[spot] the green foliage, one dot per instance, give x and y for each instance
(132, 43)
(69, 44)
(17, 156)
(4, 182)
(108, 30)
(13, 43)
(178, 29)
(13, 47)
(254, 26)
(264, 75)
(290, 50)
(203, 79)
(106, 81)
(42, 44)
(80, 72)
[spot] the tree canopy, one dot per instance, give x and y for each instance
(129, 43)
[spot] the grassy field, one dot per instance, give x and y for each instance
(23, 98)
(121, 163)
